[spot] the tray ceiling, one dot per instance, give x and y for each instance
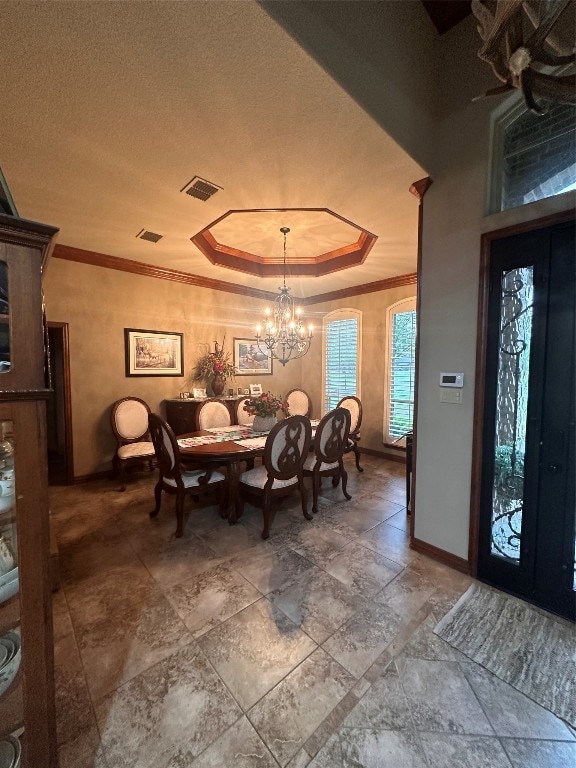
(111, 109)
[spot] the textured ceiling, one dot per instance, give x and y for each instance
(109, 109)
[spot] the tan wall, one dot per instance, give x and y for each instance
(373, 307)
(98, 304)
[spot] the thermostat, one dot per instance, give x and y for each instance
(451, 379)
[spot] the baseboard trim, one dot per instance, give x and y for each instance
(383, 455)
(458, 563)
(78, 479)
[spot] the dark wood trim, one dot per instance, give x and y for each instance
(440, 554)
(24, 394)
(383, 455)
(148, 270)
(401, 448)
(67, 398)
(480, 379)
(358, 290)
(223, 255)
(105, 261)
(418, 189)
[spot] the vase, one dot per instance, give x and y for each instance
(218, 384)
(263, 423)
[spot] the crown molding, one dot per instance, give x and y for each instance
(68, 253)
(359, 290)
(149, 270)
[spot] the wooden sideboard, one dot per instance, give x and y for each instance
(181, 414)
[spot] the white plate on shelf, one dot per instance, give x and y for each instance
(9, 670)
(10, 750)
(9, 584)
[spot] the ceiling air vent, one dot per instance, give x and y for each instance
(152, 237)
(200, 188)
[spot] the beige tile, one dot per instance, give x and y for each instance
(369, 748)
(255, 649)
(362, 569)
(124, 624)
(441, 698)
(271, 570)
(317, 602)
(293, 710)
(528, 753)
(452, 751)
(239, 746)
(211, 597)
(170, 712)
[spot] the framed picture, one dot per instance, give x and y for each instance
(153, 353)
(249, 359)
(198, 394)
(246, 391)
(255, 389)
(240, 390)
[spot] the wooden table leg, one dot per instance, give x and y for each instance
(233, 480)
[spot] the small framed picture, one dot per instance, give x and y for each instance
(250, 360)
(246, 392)
(240, 390)
(230, 392)
(199, 394)
(255, 389)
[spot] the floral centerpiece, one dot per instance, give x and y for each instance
(214, 367)
(264, 408)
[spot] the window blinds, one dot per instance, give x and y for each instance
(402, 369)
(341, 360)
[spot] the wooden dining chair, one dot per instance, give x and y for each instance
(327, 459)
(353, 404)
(129, 422)
(299, 403)
(174, 479)
(243, 417)
(286, 448)
(212, 413)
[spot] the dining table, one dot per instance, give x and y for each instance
(228, 446)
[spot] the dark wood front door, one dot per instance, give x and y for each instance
(527, 507)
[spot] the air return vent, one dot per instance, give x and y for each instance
(152, 237)
(200, 188)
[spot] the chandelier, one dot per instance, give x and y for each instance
(283, 336)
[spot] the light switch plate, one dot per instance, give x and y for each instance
(451, 396)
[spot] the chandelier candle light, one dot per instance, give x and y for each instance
(285, 336)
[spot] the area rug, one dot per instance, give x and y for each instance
(529, 649)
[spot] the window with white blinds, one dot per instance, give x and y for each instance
(401, 360)
(341, 356)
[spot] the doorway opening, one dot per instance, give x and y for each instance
(59, 408)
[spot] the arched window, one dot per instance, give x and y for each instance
(533, 156)
(400, 369)
(342, 340)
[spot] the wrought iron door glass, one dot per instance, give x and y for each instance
(516, 305)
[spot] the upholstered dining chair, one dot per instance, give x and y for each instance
(286, 448)
(353, 404)
(174, 478)
(129, 421)
(212, 413)
(299, 403)
(327, 459)
(242, 417)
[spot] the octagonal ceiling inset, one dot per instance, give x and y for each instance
(319, 242)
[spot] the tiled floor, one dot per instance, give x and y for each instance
(314, 648)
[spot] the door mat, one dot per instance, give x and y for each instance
(530, 649)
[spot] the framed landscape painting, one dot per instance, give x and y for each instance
(153, 353)
(249, 359)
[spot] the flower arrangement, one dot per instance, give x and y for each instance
(266, 404)
(213, 364)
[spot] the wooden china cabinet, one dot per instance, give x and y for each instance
(27, 718)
